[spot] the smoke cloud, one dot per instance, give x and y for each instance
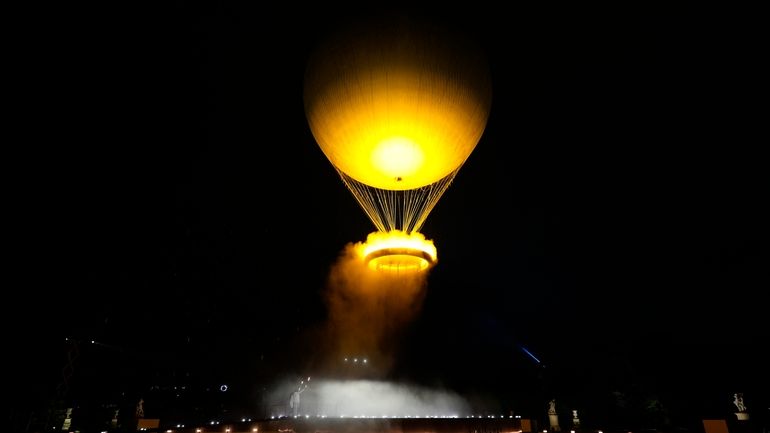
(356, 348)
(368, 311)
(366, 398)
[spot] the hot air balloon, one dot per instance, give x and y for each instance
(397, 107)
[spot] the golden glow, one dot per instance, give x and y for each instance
(397, 108)
(365, 128)
(397, 158)
(396, 251)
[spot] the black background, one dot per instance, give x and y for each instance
(612, 220)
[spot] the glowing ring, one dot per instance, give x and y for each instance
(399, 259)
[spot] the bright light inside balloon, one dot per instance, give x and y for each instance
(396, 125)
(397, 158)
(397, 108)
(396, 251)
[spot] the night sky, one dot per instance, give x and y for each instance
(612, 220)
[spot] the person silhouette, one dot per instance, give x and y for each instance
(294, 399)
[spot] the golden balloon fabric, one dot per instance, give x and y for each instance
(397, 108)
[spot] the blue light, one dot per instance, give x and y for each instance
(530, 354)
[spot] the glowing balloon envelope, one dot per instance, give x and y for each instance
(397, 108)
